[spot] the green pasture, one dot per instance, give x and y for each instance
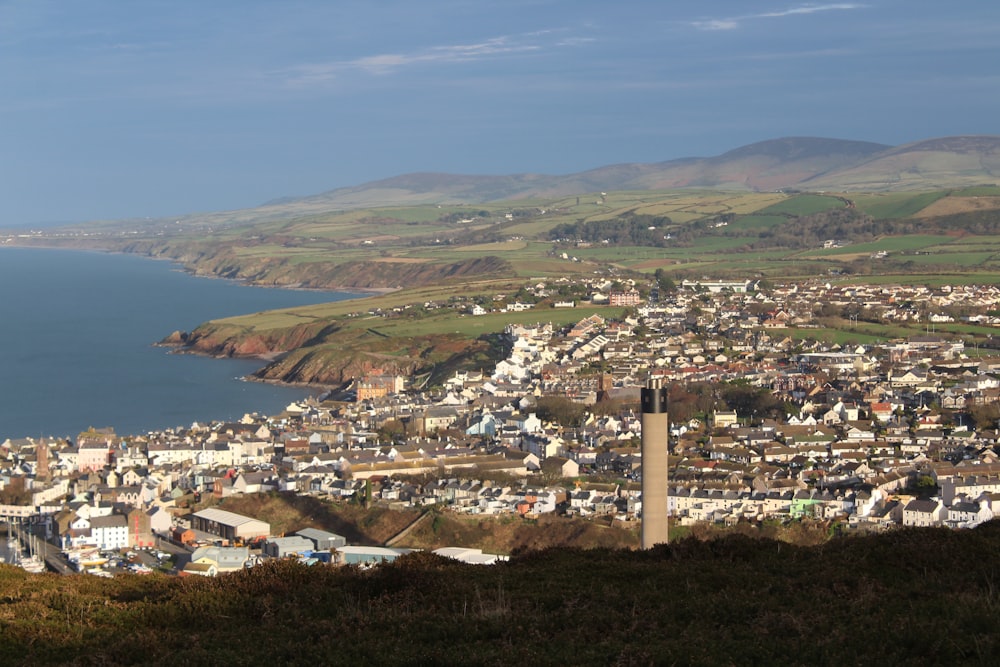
(471, 326)
(756, 223)
(358, 308)
(703, 204)
(337, 256)
(803, 205)
(888, 244)
(978, 242)
(829, 335)
(895, 205)
(433, 213)
(549, 266)
(872, 332)
(269, 251)
(616, 253)
(935, 279)
(680, 206)
(978, 191)
(509, 250)
(684, 217)
(755, 202)
(964, 259)
(971, 330)
(497, 248)
(718, 243)
(367, 230)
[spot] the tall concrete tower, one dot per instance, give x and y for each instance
(655, 429)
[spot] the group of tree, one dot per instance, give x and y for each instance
(700, 399)
(560, 410)
(627, 230)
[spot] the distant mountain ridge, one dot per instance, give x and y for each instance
(808, 163)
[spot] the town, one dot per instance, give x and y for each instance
(768, 424)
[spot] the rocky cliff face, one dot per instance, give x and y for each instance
(222, 340)
(324, 354)
(223, 262)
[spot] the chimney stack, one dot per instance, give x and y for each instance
(655, 430)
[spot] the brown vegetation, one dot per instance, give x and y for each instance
(953, 204)
(914, 597)
(289, 512)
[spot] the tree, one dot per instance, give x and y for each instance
(391, 430)
(748, 400)
(561, 410)
(925, 485)
(985, 415)
(15, 493)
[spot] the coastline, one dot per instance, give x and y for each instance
(107, 345)
(266, 357)
(183, 268)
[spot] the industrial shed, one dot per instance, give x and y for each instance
(229, 525)
(293, 545)
(362, 555)
(323, 540)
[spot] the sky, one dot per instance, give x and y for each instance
(147, 108)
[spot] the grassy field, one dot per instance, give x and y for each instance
(931, 280)
(895, 205)
(757, 223)
(803, 205)
(906, 244)
(470, 326)
(980, 191)
(415, 240)
(966, 259)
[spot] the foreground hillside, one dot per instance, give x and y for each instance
(915, 597)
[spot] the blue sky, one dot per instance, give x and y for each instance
(119, 109)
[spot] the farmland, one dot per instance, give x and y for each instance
(718, 232)
(429, 262)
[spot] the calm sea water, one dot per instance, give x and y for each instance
(76, 335)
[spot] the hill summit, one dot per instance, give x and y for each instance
(785, 163)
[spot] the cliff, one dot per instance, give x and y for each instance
(225, 261)
(328, 354)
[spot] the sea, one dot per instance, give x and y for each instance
(77, 334)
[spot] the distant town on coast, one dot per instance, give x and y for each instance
(767, 424)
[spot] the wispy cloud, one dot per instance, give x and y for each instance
(387, 63)
(717, 24)
(734, 22)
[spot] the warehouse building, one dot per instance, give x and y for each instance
(323, 540)
(235, 528)
(283, 547)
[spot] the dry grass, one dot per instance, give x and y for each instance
(953, 205)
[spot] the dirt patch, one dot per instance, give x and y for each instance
(654, 264)
(507, 533)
